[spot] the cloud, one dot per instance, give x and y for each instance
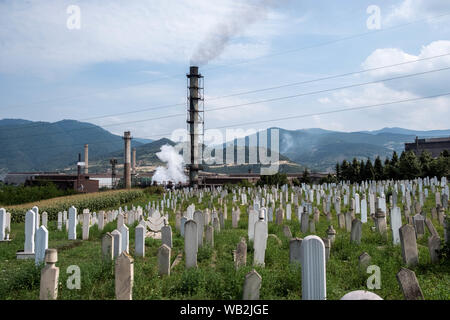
(423, 84)
(408, 10)
(35, 38)
(425, 114)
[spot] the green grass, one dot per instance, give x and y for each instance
(216, 277)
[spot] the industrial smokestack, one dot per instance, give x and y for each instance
(194, 121)
(86, 159)
(134, 161)
(127, 157)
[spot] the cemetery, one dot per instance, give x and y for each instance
(374, 240)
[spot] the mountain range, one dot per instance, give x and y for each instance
(43, 146)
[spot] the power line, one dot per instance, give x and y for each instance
(326, 90)
(264, 89)
(328, 77)
(243, 62)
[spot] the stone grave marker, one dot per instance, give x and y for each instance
(49, 276)
(190, 244)
(240, 256)
(72, 223)
(356, 231)
(409, 285)
(313, 269)
(295, 252)
(434, 245)
(117, 242)
(260, 241)
(139, 240)
(409, 245)
(41, 245)
(124, 276)
(107, 247)
(164, 260)
(252, 286)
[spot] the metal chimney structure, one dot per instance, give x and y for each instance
(195, 123)
(127, 158)
(86, 159)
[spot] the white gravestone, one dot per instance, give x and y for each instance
(314, 286)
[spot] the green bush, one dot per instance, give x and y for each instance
(12, 195)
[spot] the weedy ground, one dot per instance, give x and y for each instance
(216, 276)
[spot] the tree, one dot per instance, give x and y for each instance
(355, 171)
(338, 172)
(305, 177)
(378, 169)
(369, 173)
(425, 163)
(409, 165)
(345, 170)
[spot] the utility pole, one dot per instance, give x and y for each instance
(113, 163)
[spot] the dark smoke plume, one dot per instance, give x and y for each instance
(220, 36)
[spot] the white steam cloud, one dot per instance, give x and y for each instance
(175, 166)
(235, 23)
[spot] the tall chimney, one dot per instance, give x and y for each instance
(194, 121)
(134, 161)
(86, 159)
(127, 157)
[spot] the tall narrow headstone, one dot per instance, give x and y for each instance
(139, 241)
(108, 247)
(164, 260)
(124, 276)
(72, 223)
(45, 219)
(396, 223)
(210, 236)
(86, 219)
(101, 220)
(30, 229)
(409, 245)
(313, 269)
(260, 242)
(117, 242)
(295, 251)
(252, 218)
(59, 225)
(199, 219)
(41, 245)
(2, 224)
(190, 244)
(434, 245)
(166, 235)
(124, 231)
(356, 232)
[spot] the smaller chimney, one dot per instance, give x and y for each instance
(133, 164)
(86, 159)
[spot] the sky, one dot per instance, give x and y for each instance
(132, 56)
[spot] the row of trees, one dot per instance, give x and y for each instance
(407, 166)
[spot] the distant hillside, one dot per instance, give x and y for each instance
(44, 146)
(320, 149)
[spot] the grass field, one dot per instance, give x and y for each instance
(216, 277)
